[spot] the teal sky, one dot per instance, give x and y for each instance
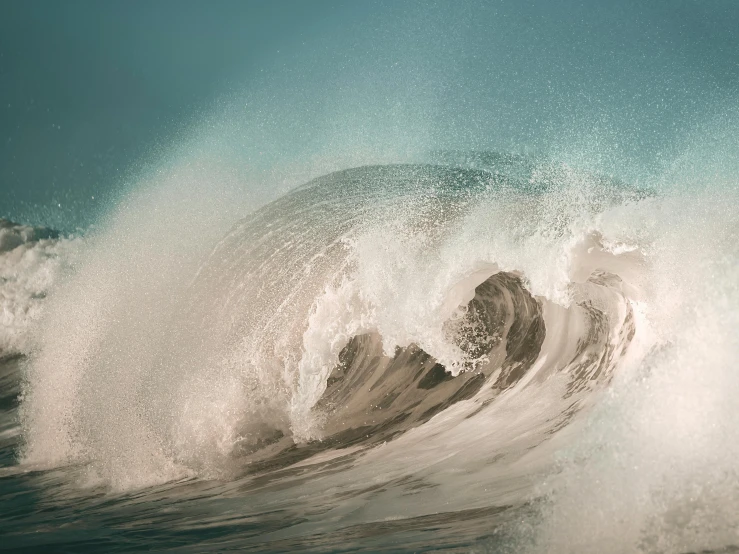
(89, 89)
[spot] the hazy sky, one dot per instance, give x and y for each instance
(89, 88)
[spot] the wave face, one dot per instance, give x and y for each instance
(510, 340)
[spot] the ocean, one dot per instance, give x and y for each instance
(346, 326)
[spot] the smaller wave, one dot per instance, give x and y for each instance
(31, 261)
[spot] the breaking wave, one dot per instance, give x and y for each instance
(459, 332)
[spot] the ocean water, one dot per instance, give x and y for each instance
(370, 323)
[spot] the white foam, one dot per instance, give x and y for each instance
(29, 269)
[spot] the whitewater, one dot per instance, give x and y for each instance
(467, 351)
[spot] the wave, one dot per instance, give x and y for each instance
(463, 315)
(32, 260)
